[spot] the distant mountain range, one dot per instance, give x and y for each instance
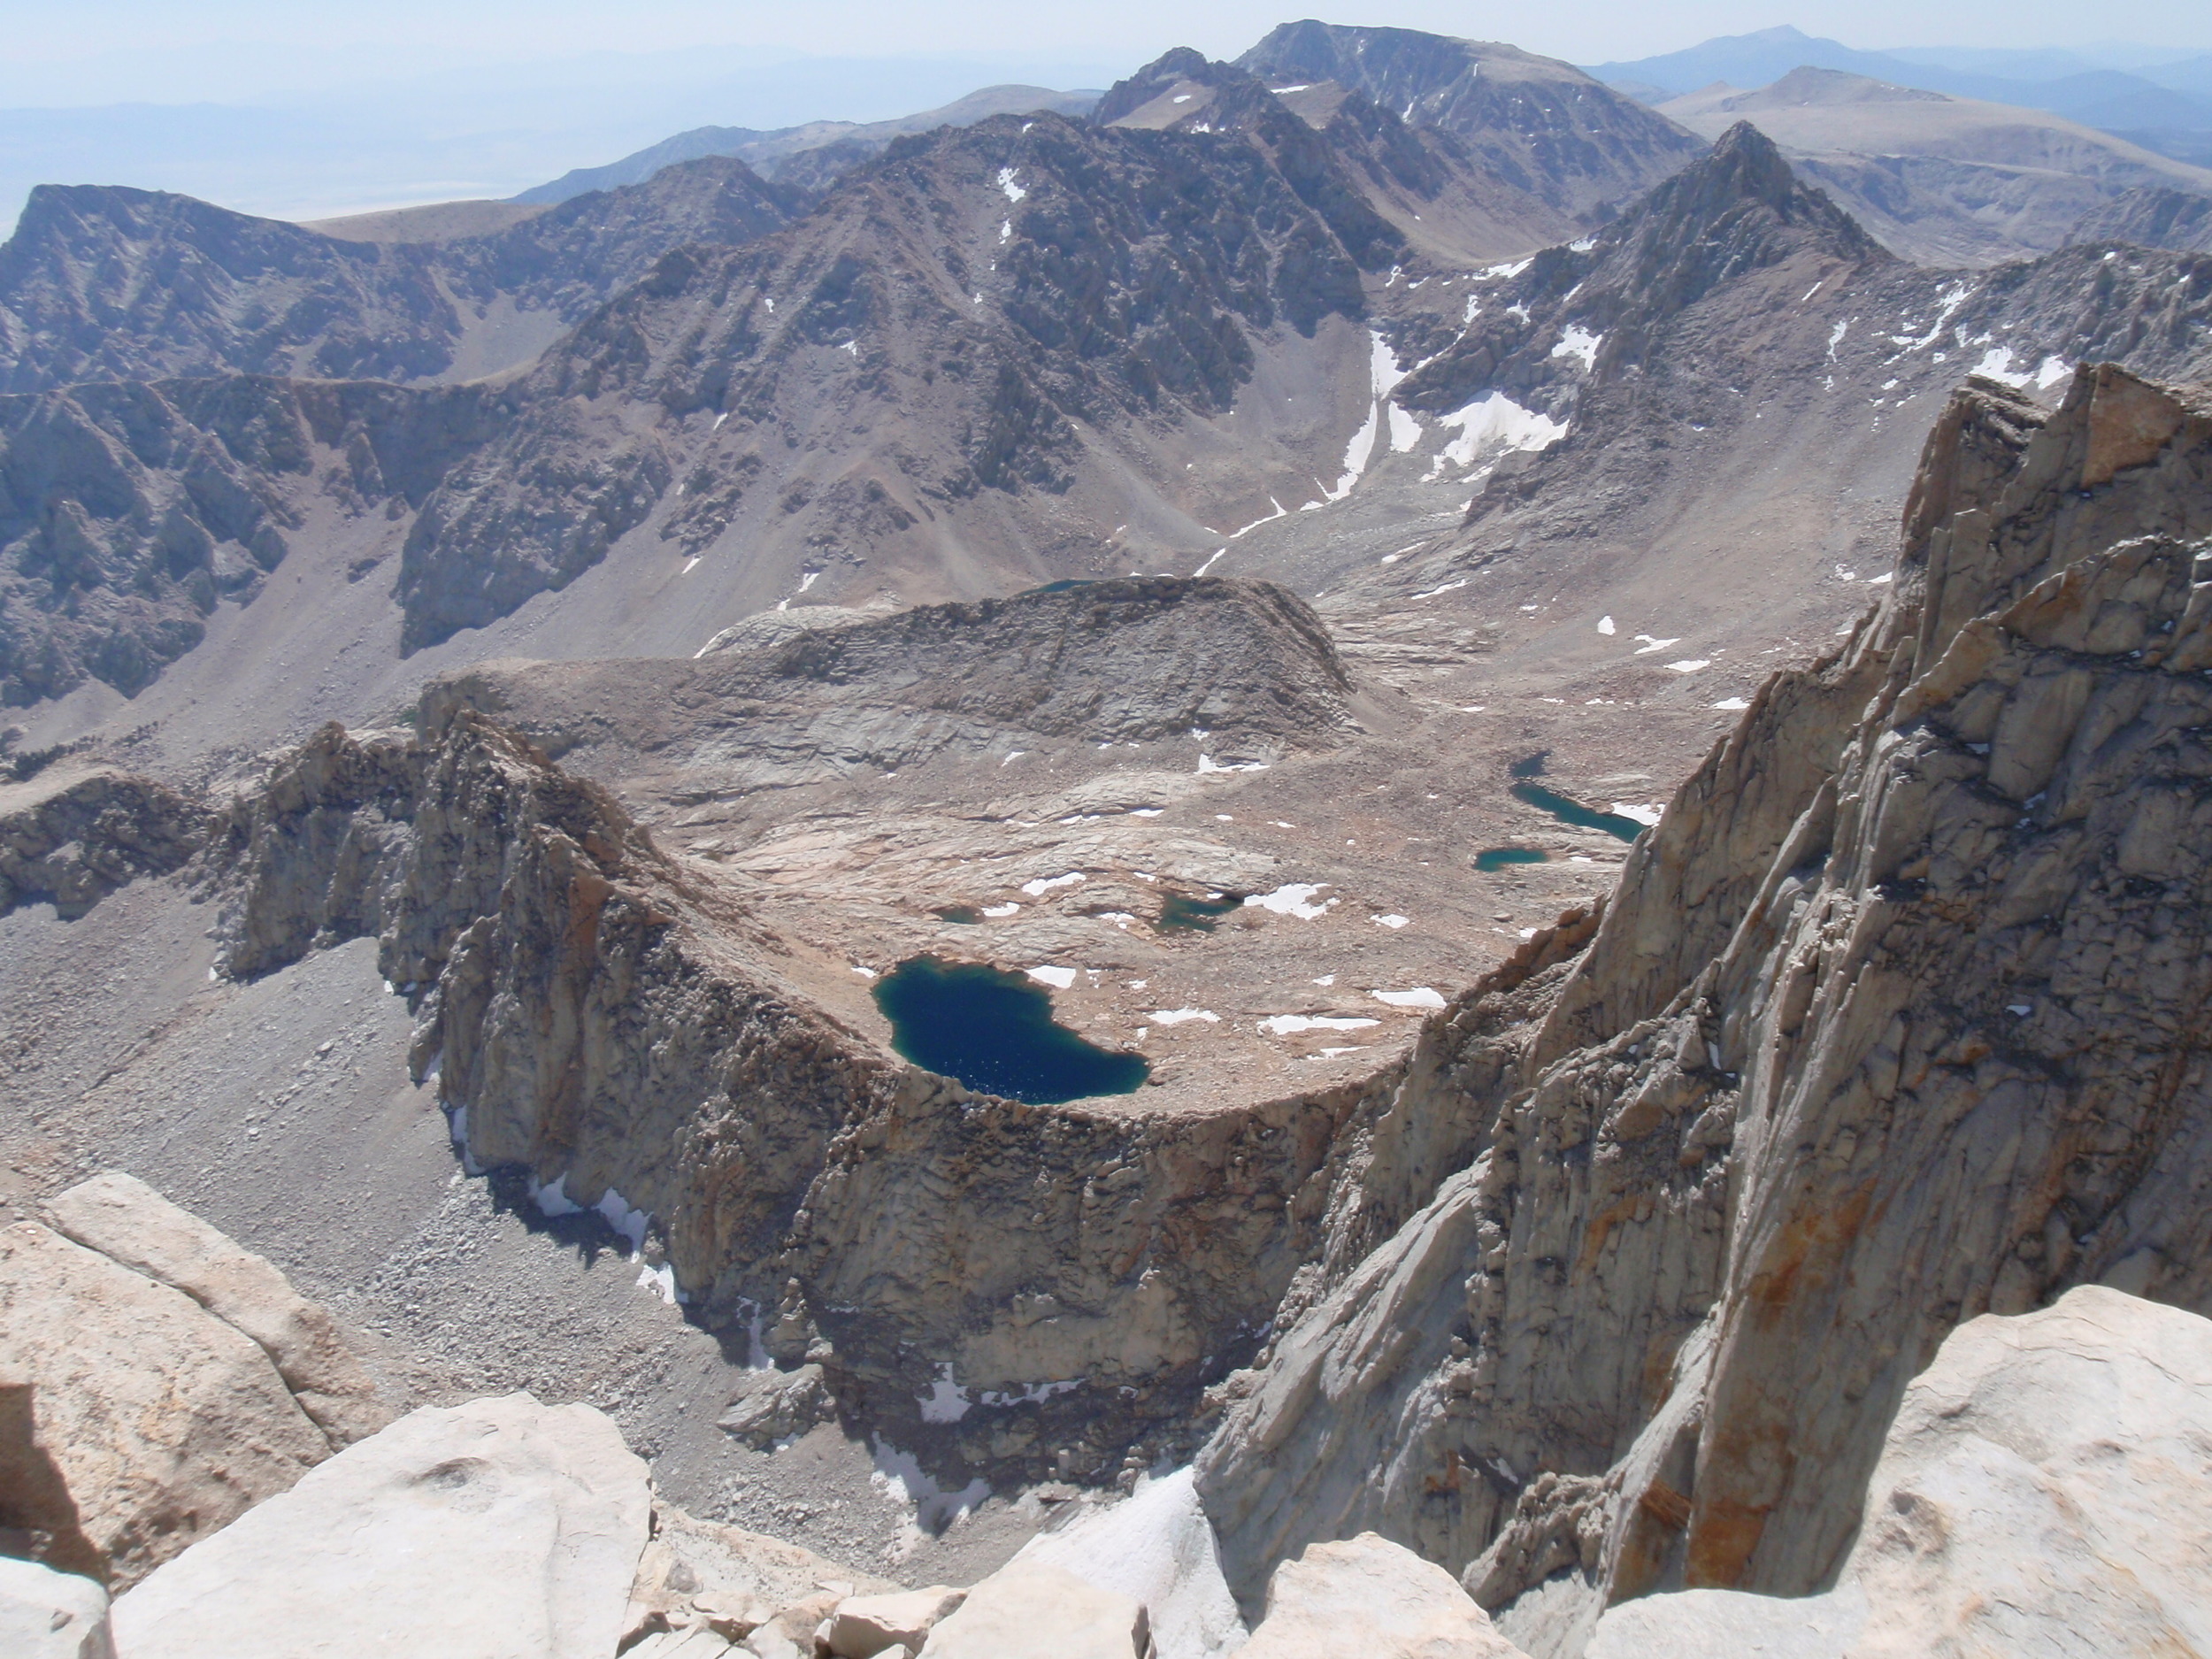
(2166, 107)
(771, 153)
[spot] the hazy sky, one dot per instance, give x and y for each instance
(229, 48)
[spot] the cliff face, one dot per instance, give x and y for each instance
(1898, 1018)
(600, 1014)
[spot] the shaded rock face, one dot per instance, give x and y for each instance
(1895, 1019)
(129, 513)
(1544, 125)
(2150, 216)
(1125, 661)
(104, 283)
(78, 839)
(2029, 1497)
(958, 303)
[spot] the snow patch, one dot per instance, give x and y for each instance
(1394, 921)
(1419, 996)
(1494, 421)
(1605, 625)
(1293, 898)
(1043, 884)
(1647, 815)
(1691, 664)
(1291, 1024)
(1014, 192)
(1579, 341)
(1000, 912)
(1058, 979)
(1156, 1548)
(1183, 1016)
(1732, 704)
(1207, 762)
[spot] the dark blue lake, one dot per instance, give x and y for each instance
(993, 1031)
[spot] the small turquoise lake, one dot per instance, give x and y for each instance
(1530, 793)
(993, 1031)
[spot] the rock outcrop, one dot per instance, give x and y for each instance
(606, 1018)
(2040, 1491)
(129, 1223)
(1402, 1607)
(135, 1422)
(1897, 1018)
(69, 840)
(1025, 1611)
(501, 1527)
(1132, 660)
(48, 1614)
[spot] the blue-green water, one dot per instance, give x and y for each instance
(993, 1031)
(1566, 810)
(1499, 857)
(959, 915)
(1574, 812)
(1191, 915)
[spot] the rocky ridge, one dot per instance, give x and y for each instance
(105, 283)
(1716, 1211)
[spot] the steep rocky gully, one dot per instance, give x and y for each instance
(1614, 1282)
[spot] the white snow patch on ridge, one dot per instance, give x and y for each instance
(1494, 421)
(1014, 192)
(1579, 341)
(1043, 884)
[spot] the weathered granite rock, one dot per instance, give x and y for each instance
(865, 1625)
(1382, 1595)
(697, 1575)
(137, 1421)
(2041, 1491)
(129, 1222)
(1897, 1019)
(48, 1614)
(1035, 1612)
(501, 1527)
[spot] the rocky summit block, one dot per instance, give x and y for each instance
(864, 1627)
(1025, 1611)
(130, 1223)
(2042, 1491)
(132, 1421)
(48, 1614)
(1401, 1606)
(499, 1528)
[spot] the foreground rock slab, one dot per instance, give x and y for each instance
(48, 1614)
(1379, 1595)
(501, 1529)
(129, 1222)
(1025, 1611)
(136, 1423)
(2042, 1491)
